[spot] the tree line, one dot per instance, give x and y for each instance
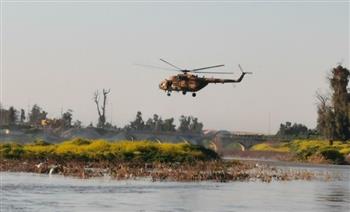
(187, 124)
(38, 117)
(333, 111)
(289, 131)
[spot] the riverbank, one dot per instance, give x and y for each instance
(306, 151)
(126, 160)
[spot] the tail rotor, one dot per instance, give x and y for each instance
(243, 72)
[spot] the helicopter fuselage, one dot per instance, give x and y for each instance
(183, 82)
(191, 83)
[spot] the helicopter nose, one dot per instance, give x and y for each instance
(162, 85)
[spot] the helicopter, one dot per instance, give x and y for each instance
(187, 81)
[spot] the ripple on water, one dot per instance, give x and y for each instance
(32, 192)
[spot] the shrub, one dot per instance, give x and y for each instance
(333, 155)
(11, 150)
(280, 147)
(345, 151)
(37, 151)
(143, 151)
(307, 150)
(80, 141)
(305, 153)
(40, 142)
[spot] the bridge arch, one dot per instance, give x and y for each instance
(214, 146)
(245, 141)
(243, 148)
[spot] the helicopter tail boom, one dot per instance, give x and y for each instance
(216, 80)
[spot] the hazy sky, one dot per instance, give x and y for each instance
(57, 53)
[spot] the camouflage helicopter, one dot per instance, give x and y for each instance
(187, 81)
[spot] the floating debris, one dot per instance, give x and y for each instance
(218, 171)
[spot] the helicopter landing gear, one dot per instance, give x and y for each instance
(194, 94)
(184, 92)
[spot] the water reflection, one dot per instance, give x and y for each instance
(30, 192)
(335, 197)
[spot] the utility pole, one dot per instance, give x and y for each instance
(111, 114)
(269, 125)
(28, 110)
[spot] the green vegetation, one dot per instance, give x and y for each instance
(333, 110)
(143, 151)
(188, 124)
(289, 131)
(333, 121)
(306, 150)
(12, 118)
(272, 147)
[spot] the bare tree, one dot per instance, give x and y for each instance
(323, 100)
(325, 119)
(101, 110)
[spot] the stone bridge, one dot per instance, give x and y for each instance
(215, 139)
(244, 140)
(209, 138)
(171, 137)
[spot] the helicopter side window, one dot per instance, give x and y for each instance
(179, 77)
(182, 77)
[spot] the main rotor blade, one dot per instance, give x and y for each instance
(208, 72)
(171, 64)
(156, 67)
(197, 69)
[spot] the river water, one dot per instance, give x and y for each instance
(36, 192)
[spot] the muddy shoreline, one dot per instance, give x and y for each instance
(218, 171)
